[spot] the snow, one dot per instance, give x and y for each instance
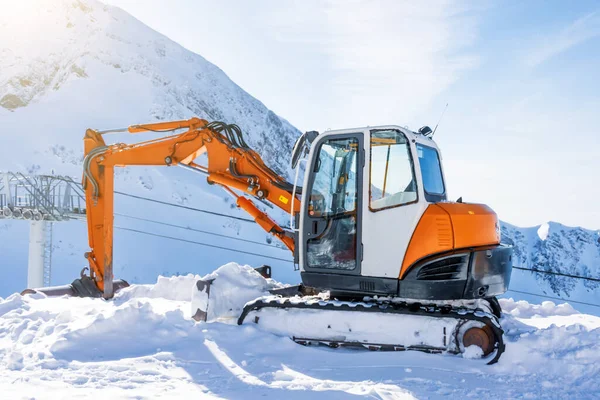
(233, 286)
(524, 309)
(543, 231)
(472, 352)
(143, 344)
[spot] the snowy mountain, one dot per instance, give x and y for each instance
(557, 248)
(92, 59)
(67, 65)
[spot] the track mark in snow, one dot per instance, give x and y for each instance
(293, 380)
(289, 379)
(231, 366)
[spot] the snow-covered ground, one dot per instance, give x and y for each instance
(143, 344)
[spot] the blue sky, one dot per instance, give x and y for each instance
(521, 78)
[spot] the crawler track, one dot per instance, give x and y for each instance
(452, 340)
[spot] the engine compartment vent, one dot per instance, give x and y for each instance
(367, 286)
(451, 268)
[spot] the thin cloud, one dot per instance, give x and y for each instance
(582, 29)
(386, 60)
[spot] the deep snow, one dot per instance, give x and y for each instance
(143, 344)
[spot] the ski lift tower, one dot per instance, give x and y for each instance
(42, 200)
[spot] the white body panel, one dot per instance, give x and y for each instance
(386, 233)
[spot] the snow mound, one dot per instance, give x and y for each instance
(169, 288)
(233, 286)
(472, 352)
(524, 309)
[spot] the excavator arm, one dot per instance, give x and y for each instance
(232, 164)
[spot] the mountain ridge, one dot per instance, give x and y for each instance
(555, 248)
(88, 36)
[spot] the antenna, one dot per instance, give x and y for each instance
(440, 120)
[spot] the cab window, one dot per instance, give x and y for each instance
(392, 179)
(334, 188)
(333, 203)
(429, 160)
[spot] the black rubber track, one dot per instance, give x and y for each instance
(433, 311)
(495, 305)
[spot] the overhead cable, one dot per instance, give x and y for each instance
(200, 230)
(204, 244)
(555, 298)
(541, 271)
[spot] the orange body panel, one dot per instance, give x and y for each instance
(451, 226)
(473, 224)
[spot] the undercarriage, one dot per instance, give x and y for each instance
(385, 324)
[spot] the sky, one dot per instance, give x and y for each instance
(520, 79)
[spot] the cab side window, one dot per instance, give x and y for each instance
(392, 177)
(430, 168)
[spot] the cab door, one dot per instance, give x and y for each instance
(331, 233)
(394, 202)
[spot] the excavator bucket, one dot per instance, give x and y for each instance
(200, 295)
(83, 287)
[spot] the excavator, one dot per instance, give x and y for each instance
(386, 261)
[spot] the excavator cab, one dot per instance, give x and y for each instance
(378, 243)
(375, 219)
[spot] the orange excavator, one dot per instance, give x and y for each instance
(371, 228)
